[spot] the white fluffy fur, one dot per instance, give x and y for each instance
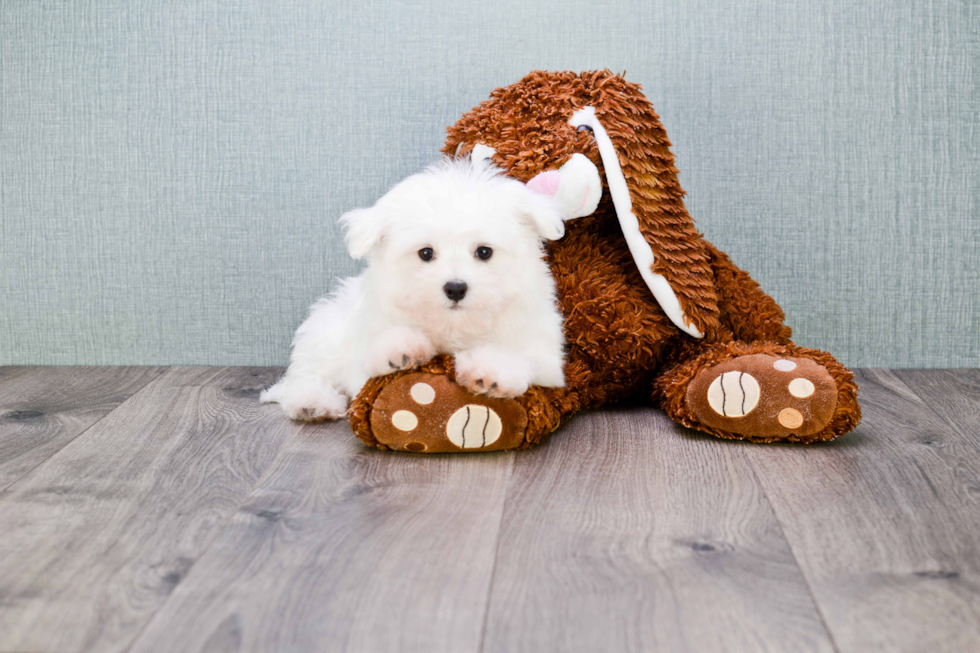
(505, 334)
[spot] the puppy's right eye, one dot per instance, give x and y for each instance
(426, 253)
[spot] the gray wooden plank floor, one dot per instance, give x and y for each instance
(631, 534)
(885, 524)
(44, 408)
(151, 509)
(97, 536)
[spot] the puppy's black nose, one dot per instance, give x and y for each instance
(455, 290)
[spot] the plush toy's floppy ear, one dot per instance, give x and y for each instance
(363, 229)
(647, 197)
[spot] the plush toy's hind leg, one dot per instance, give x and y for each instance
(423, 410)
(761, 391)
(758, 386)
(750, 314)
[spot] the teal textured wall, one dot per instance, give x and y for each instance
(171, 172)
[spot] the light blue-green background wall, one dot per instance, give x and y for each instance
(171, 172)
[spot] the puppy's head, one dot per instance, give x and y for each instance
(456, 243)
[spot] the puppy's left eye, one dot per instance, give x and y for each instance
(426, 254)
(484, 253)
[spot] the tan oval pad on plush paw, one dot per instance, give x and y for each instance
(447, 418)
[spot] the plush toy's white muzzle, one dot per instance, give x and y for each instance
(576, 185)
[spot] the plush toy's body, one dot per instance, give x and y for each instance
(691, 332)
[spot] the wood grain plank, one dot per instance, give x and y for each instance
(884, 524)
(953, 394)
(43, 408)
(346, 548)
(97, 537)
(628, 533)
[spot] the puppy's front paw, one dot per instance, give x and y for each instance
(307, 402)
(400, 349)
(493, 373)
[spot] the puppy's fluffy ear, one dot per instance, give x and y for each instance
(543, 214)
(363, 229)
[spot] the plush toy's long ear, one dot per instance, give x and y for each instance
(363, 229)
(648, 200)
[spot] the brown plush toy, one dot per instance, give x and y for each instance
(653, 312)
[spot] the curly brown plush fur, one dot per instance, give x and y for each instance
(621, 345)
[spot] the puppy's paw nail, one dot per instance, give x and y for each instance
(306, 414)
(404, 360)
(479, 382)
(392, 365)
(493, 387)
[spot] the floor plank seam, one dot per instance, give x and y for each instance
(139, 634)
(792, 552)
(216, 538)
(953, 425)
(496, 554)
(4, 490)
(964, 436)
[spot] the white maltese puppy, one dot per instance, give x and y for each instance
(455, 266)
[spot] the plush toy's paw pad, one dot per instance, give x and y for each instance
(428, 413)
(764, 395)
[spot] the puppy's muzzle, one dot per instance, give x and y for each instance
(455, 290)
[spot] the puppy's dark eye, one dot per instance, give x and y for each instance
(484, 253)
(426, 253)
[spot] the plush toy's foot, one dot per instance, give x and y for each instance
(764, 395)
(428, 413)
(425, 411)
(763, 392)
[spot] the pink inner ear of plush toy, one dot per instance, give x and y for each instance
(546, 183)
